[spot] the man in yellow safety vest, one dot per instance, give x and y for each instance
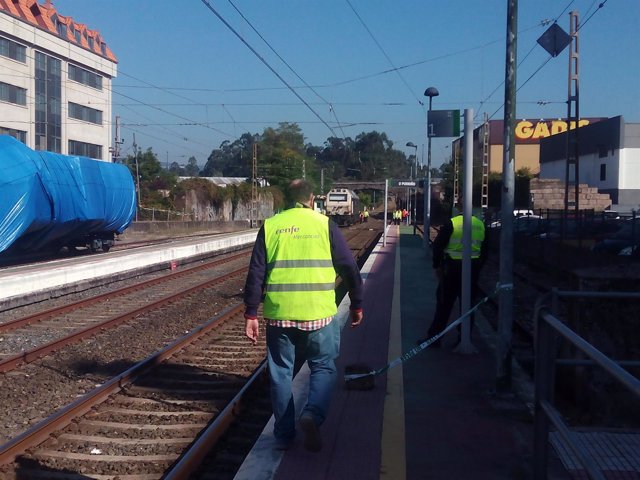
(295, 260)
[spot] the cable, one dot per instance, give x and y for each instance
(385, 54)
(331, 109)
(214, 11)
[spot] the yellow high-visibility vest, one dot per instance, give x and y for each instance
(454, 248)
(300, 281)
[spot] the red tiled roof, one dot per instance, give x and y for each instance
(42, 17)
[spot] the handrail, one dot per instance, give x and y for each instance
(548, 328)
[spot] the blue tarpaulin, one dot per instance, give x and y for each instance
(49, 199)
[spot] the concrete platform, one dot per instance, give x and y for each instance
(432, 417)
(37, 280)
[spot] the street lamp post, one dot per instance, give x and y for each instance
(429, 92)
(415, 198)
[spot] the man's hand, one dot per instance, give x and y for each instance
(356, 317)
(252, 329)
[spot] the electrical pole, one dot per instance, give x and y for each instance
(115, 150)
(135, 152)
(505, 316)
(253, 214)
(573, 118)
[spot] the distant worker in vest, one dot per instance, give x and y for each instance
(366, 216)
(295, 260)
(447, 265)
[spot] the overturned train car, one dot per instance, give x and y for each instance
(49, 201)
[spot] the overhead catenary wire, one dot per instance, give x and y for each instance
(331, 109)
(266, 64)
(550, 57)
(420, 102)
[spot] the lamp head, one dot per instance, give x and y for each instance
(411, 144)
(431, 92)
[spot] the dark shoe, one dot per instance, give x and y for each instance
(283, 443)
(312, 438)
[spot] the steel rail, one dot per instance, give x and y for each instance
(191, 460)
(38, 317)
(29, 356)
(40, 432)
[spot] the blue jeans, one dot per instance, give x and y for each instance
(288, 349)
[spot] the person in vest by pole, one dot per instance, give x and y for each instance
(447, 265)
(295, 259)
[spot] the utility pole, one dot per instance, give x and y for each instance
(135, 152)
(253, 214)
(573, 118)
(505, 316)
(485, 164)
(115, 150)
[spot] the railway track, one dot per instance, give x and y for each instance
(142, 421)
(33, 336)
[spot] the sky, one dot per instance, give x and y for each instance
(195, 73)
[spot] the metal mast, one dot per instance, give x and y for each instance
(573, 117)
(485, 164)
(253, 218)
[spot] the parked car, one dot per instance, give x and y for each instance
(529, 225)
(626, 236)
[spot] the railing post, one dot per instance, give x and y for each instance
(544, 377)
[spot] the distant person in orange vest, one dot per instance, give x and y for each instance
(361, 217)
(405, 214)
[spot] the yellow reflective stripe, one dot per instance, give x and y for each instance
(299, 287)
(300, 264)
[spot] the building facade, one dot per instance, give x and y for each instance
(55, 81)
(609, 160)
(527, 134)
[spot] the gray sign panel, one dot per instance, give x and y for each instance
(443, 123)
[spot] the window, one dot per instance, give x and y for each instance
(17, 134)
(85, 77)
(60, 27)
(13, 50)
(85, 149)
(87, 114)
(603, 151)
(338, 197)
(603, 172)
(13, 94)
(48, 96)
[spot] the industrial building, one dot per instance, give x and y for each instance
(609, 160)
(488, 140)
(55, 81)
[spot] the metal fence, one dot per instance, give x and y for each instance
(548, 330)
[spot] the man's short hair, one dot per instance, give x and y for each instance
(300, 190)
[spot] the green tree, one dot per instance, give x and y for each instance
(192, 169)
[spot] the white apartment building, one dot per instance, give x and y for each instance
(55, 81)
